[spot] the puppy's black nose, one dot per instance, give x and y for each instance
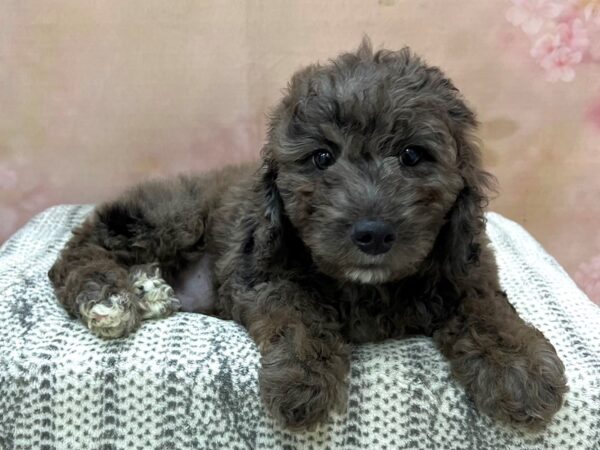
(373, 236)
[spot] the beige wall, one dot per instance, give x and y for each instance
(95, 96)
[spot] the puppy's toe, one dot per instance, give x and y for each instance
(157, 297)
(112, 318)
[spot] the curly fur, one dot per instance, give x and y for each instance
(276, 240)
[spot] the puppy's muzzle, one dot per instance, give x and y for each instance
(373, 237)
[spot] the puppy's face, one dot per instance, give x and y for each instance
(368, 162)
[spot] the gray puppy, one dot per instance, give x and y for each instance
(364, 221)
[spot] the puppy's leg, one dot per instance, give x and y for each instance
(305, 361)
(510, 370)
(110, 274)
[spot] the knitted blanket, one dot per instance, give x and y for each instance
(190, 381)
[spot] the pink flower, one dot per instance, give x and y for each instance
(531, 15)
(573, 34)
(560, 49)
(588, 278)
(558, 62)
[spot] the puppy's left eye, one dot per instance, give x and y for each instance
(411, 156)
(323, 159)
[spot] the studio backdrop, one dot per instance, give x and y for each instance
(96, 96)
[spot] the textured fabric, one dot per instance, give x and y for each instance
(190, 381)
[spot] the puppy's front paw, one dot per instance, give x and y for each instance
(114, 317)
(525, 390)
(157, 297)
(301, 395)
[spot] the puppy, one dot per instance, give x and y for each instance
(364, 221)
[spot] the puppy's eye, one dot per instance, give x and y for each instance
(323, 159)
(411, 156)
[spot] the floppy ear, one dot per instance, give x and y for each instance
(458, 244)
(269, 229)
(272, 202)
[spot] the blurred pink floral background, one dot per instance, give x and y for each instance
(96, 96)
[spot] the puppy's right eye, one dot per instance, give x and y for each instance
(411, 156)
(323, 159)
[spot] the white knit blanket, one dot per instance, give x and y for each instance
(190, 381)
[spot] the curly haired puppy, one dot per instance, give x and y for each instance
(364, 221)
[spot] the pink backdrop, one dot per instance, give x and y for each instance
(95, 96)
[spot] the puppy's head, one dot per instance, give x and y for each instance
(371, 159)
